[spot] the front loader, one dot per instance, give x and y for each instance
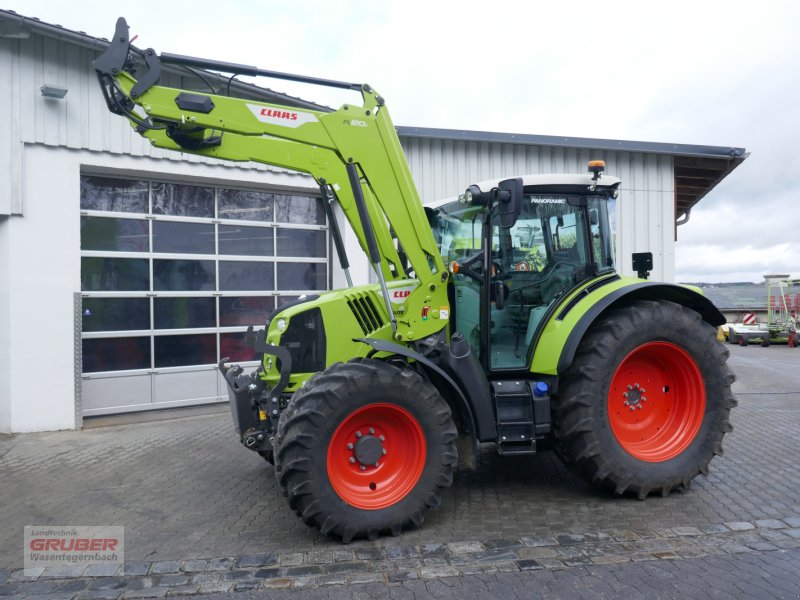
(498, 318)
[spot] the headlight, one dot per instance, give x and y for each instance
(474, 195)
(281, 324)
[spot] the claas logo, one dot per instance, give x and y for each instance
(279, 114)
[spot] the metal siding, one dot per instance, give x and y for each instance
(645, 211)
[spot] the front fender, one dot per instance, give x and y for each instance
(561, 335)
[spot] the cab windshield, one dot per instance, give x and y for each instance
(558, 241)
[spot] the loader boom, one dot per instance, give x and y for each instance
(353, 151)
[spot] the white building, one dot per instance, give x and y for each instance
(120, 266)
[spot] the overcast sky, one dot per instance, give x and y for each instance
(709, 72)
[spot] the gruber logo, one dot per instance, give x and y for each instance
(74, 544)
(52, 545)
(284, 118)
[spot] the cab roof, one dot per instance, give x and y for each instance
(539, 179)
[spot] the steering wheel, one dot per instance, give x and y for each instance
(556, 266)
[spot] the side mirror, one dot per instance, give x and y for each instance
(509, 196)
(642, 264)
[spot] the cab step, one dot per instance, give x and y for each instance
(522, 409)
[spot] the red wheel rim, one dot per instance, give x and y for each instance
(656, 401)
(390, 435)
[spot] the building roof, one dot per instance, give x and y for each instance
(698, 169)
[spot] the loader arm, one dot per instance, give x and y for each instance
(353, 151)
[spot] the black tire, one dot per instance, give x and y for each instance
(582, 409)
(743, 341)
(312, 420)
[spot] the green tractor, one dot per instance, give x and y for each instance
(498, 318)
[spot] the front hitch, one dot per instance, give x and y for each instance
(255, 407)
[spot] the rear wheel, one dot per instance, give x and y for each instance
(366, 447)
(742, 341)
(646, 402)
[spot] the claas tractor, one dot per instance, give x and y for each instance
(497, 319)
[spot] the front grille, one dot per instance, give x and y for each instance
(365, 312)
(305, 340)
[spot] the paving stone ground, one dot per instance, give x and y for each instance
(201, 514)
(735, 576)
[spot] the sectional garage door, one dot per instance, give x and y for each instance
(171, 276)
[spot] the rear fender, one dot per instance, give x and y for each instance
(562, 334)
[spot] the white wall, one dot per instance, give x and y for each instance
(40, 272)
(43, 272)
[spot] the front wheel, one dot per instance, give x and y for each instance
(365, 447)
(646, 402)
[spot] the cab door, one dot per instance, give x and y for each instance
(533, 264)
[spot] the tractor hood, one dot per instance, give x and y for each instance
(321, 329)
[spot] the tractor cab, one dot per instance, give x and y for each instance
(509, 273)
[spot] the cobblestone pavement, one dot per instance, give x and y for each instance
(201, 514)
(736, 576)
(665, 552)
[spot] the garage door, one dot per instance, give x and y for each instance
(171, 276)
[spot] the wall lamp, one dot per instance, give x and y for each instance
(53, 91)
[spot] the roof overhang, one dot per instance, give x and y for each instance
(696, 176)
